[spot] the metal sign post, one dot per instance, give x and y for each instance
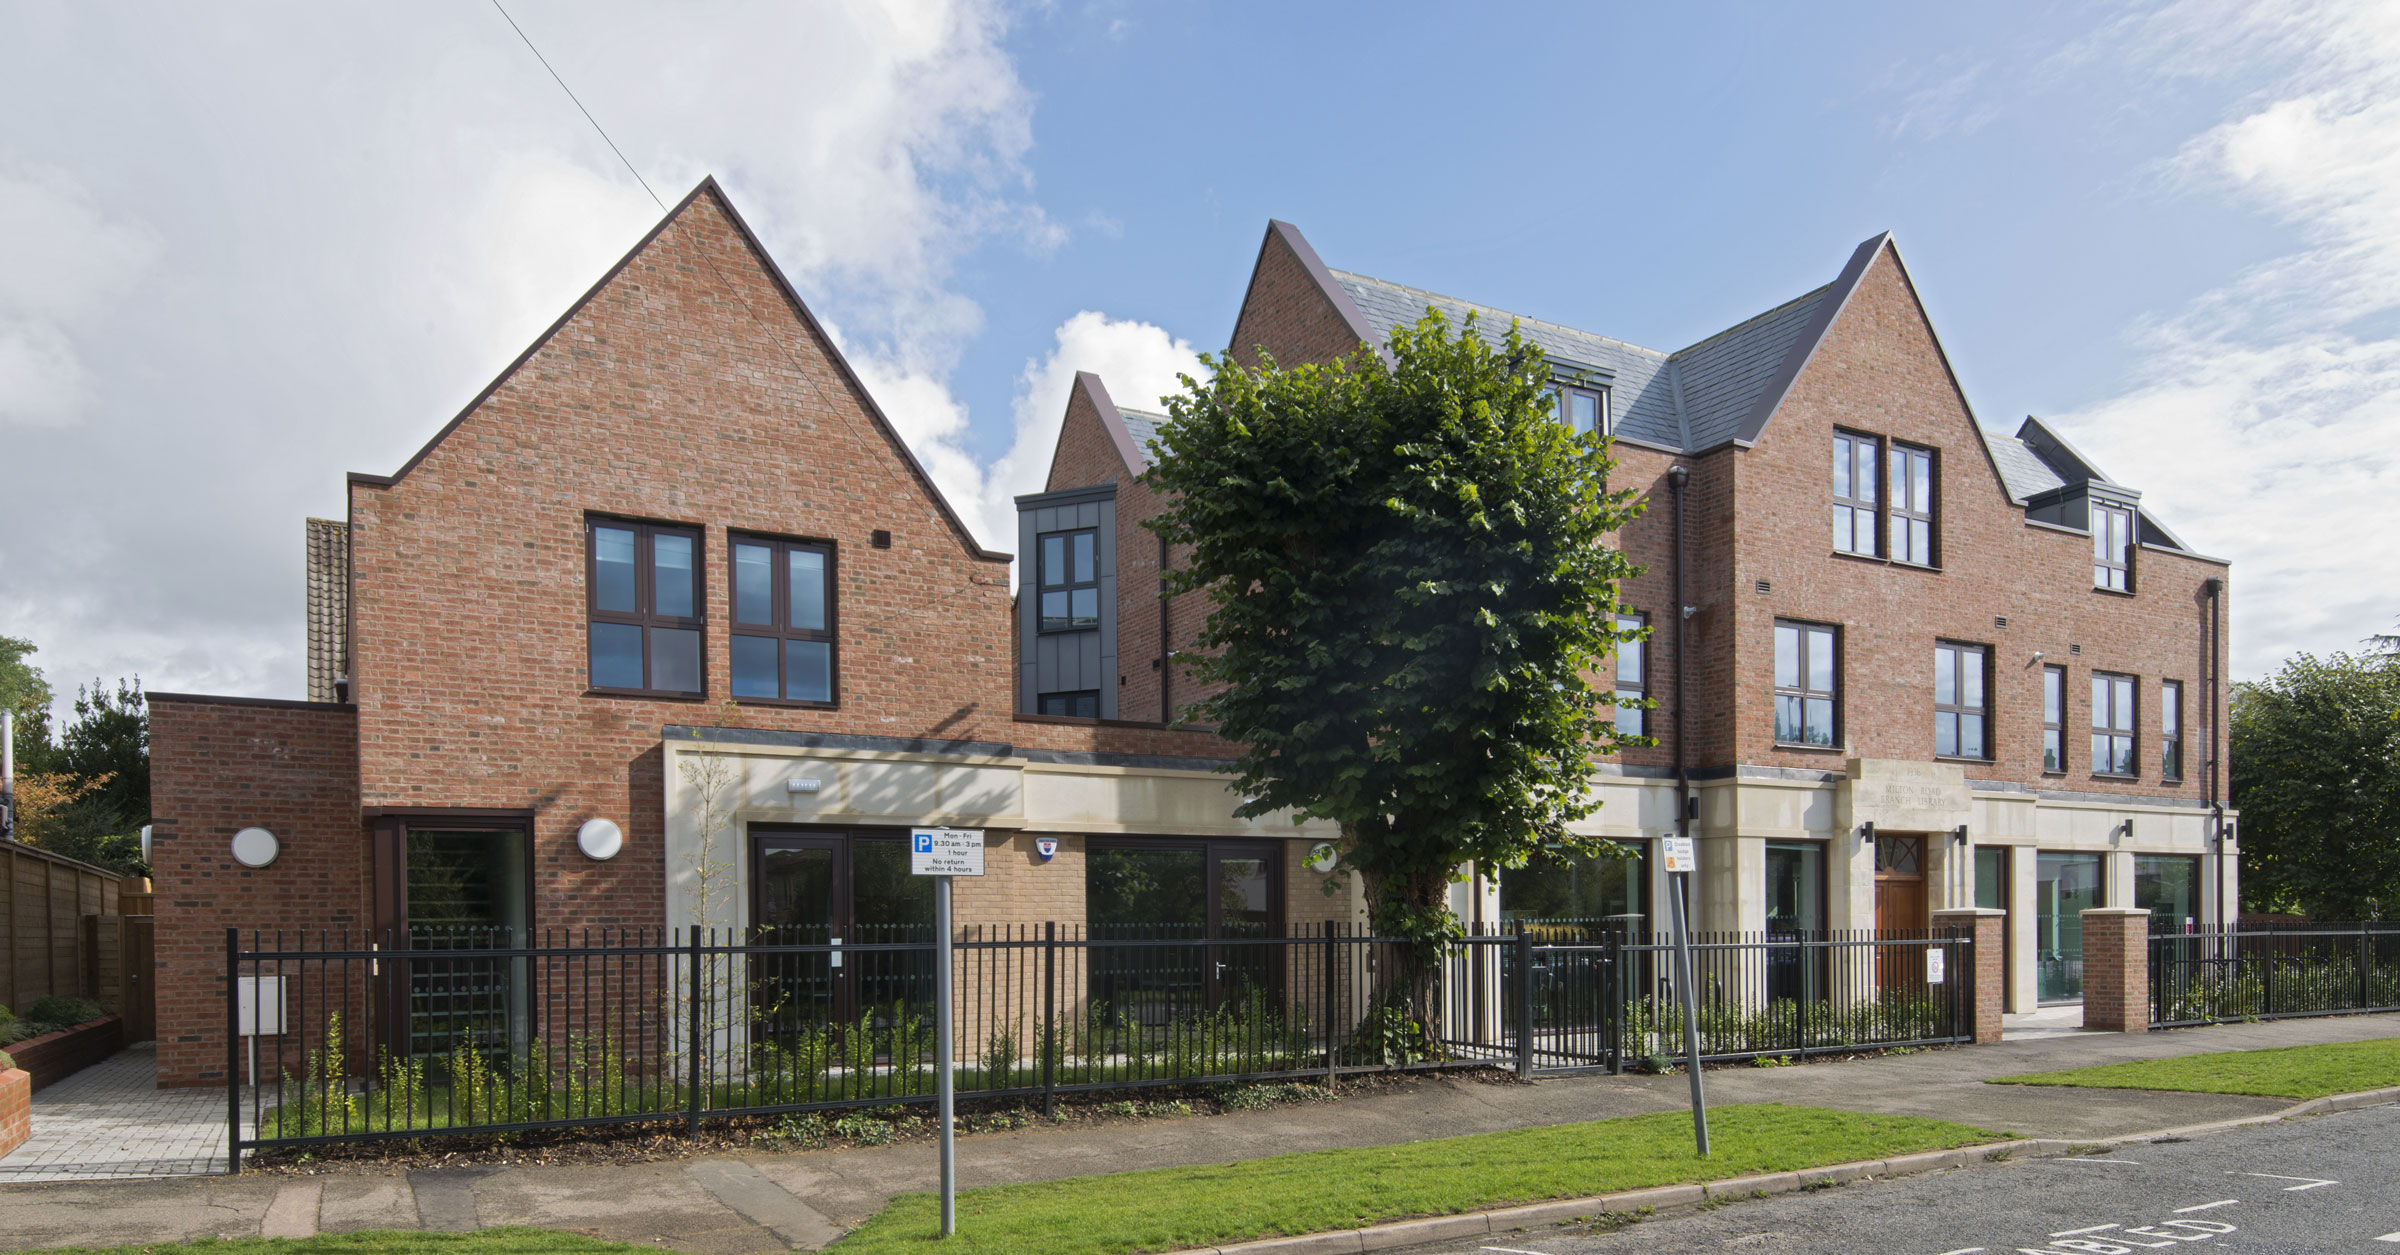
(1682, 859)
(943, 853)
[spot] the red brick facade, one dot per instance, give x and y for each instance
(219, 765)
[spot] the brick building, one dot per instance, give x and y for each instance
(1913, 666)
(667, 627)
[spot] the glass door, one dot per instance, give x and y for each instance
(1795, 913)
(2065, 886)
(1243, 907)
(466, 890)
(849, 898)
(1147, 894)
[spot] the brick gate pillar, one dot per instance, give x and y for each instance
(2116, 969)
(1991, 968)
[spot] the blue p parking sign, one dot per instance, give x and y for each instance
(924, 843)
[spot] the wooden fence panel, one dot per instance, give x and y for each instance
(44, 898)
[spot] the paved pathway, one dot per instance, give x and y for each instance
(767, 1201)
(111, 1121)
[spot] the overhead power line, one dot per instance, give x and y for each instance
(587, 114)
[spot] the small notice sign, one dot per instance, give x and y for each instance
(945, 851)
(1934, 961)
(1681, 854)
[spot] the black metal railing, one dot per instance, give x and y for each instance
(2276, 972)
(369, 1037)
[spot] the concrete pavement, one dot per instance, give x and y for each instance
(767, 1201)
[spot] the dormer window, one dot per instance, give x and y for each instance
(1583, 410)
(2112, 547)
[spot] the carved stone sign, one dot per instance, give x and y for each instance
(1902, 796)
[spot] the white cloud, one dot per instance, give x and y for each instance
(2266, 415)
(373, 211)
(63, 263)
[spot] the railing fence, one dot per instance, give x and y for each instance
(2276, 972)
(356, 1037)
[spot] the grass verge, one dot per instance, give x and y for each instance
(512, 1241)
(2284, 1072)
(1314, 1191)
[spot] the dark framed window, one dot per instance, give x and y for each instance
(1633, 676)
(2113, 725)
(1961, 719)
(2112, 547)
(2054, 719)
(1808, 701)
(1081, 705)
(1911, 499)
(1583, 410)
(642, 598)
(783, 631)
(1854, 517)
(1069, 573)
(2170, 729)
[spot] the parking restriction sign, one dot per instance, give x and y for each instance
(1680, 854)
(945, 852)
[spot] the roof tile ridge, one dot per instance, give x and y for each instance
(1523, 318)
(1753, 320)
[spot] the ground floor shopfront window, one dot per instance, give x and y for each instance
(1142, 891)
(2168, 886)
(1577, 889)
(2065, 886)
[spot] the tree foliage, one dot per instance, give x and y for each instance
(2316, 775)
(84, 793)
(1410, 580)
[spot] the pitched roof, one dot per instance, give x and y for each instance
(1694, 398)
(709, 189)
(328, 607)
(1142, 425)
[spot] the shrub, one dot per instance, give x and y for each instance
(5, 1062)
(64, 1012)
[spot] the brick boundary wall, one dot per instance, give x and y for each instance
(1991, 968)
(2116, 969)
(16, 1108)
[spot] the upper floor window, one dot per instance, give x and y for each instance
(642, 584)
(1081, 705)
(783, 620)
(2112, 725)
(1854, 526)
(1633, 671)
(2112, 547)
(2170, 729)
(1069, 573)
(1912, 505)
(1960, 718)
(1807, 685)
(2054, 718)
(1583, 410)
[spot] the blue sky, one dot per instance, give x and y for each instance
(248, 248)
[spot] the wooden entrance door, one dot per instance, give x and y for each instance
(1900, 909)
(137, 993)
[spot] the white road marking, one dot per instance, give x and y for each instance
(1964, 1250)
(2227, 1202)
(2389, 1237)
(2130, 1163)
(2068, 1233)
(1512, 1250)
(2313, 1182)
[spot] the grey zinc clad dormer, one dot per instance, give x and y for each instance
(1066, 661)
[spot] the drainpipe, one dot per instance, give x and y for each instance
(1678, 478)
(2214, 588)
(1166, 655)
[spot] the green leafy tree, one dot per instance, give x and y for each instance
(109, 741)
(1410, 580)
(2316, 775)
(24, 691)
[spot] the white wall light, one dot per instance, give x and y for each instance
(600, 839)
(255, 847)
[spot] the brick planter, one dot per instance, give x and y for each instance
(56, 1056)
(16, 1108)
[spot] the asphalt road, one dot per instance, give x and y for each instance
(2329, 1183)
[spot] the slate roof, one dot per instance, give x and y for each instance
(1143, 426)
(1640, 387)
(2022, 471)
(1723, 375)
(328, 606)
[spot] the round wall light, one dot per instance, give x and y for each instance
(600, 839)
(255, 847)
(1322, 857)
